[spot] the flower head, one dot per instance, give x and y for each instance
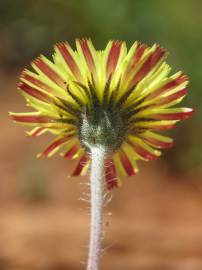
(113, 98)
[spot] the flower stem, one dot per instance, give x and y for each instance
(97, 190)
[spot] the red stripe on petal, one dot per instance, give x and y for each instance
(174, 83)
(36, 82)
(126, 163)
(168, 86)
(163, 127)
(82, 162)
(113, 57)
(63, 48)
(149, 64)
(30, 119)
(173, 116)
(110, 174)
(34, 92)
(136, 57)
(172, 97)
(157, 143)
(49, 72)
(87, 54)
(38, 131)
(55, 144)
(139, 52)
(72, 151)
(142, 152)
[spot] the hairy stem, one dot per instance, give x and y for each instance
(97, 189)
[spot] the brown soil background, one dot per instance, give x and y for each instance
(154, 222)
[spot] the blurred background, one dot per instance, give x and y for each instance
(154, 222)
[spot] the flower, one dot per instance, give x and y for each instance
(113, 98)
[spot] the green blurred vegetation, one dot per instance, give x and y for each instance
(28, 28)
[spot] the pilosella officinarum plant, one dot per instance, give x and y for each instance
(105, 109)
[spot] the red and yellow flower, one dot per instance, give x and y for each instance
(115, 98)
